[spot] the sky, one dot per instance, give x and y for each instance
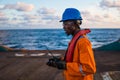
(42, 14)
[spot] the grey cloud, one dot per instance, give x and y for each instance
(46, 11)
(88, 16)
(20, 6)
(32, 18)
(1, 14)
(3, 18)
(85, 12)
(50, 17)
(47, 14)
(110, 3)
(106, 16)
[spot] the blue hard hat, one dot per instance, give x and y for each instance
(71, 14)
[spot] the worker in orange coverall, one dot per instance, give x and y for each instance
(78, 62)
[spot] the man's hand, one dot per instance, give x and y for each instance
(52, 62)
(56, 62)
(61, 64)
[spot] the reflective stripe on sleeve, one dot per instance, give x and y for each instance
(81, 70)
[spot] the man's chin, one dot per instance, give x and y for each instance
(67, 34)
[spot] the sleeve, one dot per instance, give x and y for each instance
(86, 63)
(86, 57)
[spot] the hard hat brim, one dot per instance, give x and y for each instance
(61, 21)
(69, 20)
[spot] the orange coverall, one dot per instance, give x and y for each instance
(83, 66)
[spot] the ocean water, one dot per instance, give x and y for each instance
(54, 39)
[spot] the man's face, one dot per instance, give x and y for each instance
(68, 27)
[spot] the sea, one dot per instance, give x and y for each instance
(52, 39)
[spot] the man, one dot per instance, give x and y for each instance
(78, 63)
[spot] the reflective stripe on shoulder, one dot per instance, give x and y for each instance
(81, 70)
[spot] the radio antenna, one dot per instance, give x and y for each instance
(49, 51)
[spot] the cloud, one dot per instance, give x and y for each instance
(30, 17)
(3, 17)
(20, 6)
(98, 19)
(1, 14)
(50, 17)
(110, 4)
(43, 17)
(46, 11)
(89, 17)
(48, 14)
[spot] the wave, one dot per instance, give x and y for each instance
(115, 46)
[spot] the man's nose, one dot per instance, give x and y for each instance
(64, 27)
